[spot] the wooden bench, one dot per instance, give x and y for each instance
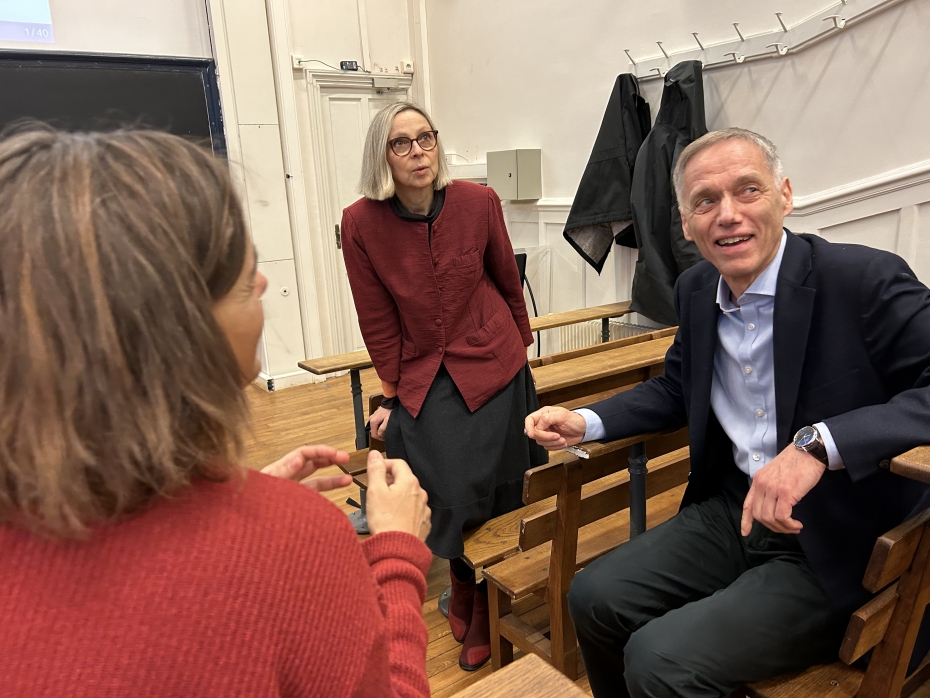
(900, 569)
(598, 506)
(528, 677)
(354, 362)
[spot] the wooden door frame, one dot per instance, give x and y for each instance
(330, 300)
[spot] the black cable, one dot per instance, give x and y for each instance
(314, 60)
(535, 314)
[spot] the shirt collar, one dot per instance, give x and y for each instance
(764, 285)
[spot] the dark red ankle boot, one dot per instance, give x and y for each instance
(460, 607)
(477, 648)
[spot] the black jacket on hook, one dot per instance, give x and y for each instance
(601, 209)
(663, 251)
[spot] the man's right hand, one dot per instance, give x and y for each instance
(396, 502)
(554, 428)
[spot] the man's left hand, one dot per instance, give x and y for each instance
(777, 487)
(306, 460)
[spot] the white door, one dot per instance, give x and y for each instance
(346, 114)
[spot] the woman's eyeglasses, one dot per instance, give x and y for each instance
(402, 146)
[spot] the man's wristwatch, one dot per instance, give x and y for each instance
(808, 439)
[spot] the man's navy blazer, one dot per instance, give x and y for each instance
(852, 349)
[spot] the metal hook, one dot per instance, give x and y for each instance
(781, 48)
(738, 57)
(659, 72)
(738, 32)
(781, 21)
(662, 49)
(838, 22)
(695, 35)
(627, 52)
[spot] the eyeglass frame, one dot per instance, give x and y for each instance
(434, 132)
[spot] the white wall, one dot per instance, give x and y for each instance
(367, 31)
(151, 28)
(844, 112)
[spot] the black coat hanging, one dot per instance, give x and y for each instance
(601, 208)
(663, 251)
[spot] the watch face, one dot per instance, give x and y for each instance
(805, 437)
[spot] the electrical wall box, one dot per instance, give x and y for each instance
(516, 174)
(348, 65)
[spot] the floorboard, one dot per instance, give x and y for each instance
(321, 413)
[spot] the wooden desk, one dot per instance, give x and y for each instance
(354, 362)
(914, 464)
(528, 677)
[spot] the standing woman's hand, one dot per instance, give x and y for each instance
(379, 421)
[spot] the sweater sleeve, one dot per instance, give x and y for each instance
(502, 267)
(399, 562)
(378, 317)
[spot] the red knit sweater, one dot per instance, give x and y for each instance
(256, 587)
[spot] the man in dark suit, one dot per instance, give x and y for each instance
(801, 368)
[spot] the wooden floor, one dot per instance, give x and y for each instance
(322, 413)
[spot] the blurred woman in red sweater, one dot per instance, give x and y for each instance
(137, 558)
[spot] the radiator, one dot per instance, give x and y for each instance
(584, 334)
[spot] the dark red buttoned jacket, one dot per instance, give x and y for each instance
(452, 297)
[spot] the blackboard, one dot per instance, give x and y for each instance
(89, 92)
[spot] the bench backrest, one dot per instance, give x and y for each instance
(603, 346)
(890, 621)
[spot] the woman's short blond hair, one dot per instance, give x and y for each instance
(376, 181)
(117, 385)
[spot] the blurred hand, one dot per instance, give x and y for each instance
(306, 460)
(777, 487)
(555, 427)
(396, 502)
(379, 422)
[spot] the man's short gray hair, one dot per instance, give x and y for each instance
(728, 134)
(376, 181)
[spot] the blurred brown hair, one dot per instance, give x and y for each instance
(116, 383)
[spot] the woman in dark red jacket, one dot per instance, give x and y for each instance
(441, 308)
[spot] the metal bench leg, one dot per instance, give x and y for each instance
(637, 489)
(361, 437)
(605, 329)
(444, 598)
(359, 519)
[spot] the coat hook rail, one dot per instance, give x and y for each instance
(838, 22)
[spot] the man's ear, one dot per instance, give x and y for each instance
(788, 195)
(684, 225)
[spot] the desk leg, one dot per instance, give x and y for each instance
(361, 438)
(359, 519)
(605, 329)
(637, 489)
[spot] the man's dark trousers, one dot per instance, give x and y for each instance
(691, 608)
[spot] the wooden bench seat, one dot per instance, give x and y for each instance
(527, 571)
(587, 521)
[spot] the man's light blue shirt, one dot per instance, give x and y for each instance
(742, 393)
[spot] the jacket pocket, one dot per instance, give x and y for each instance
(490, 328)
(466, 260)
(408, 350)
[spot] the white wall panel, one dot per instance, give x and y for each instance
(283, 337)
(247, 34)
(879, 231)
(265, 193)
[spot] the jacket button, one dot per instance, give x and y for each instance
(884, 464)
(440, 350)
(438, 322)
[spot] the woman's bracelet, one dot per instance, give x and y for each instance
(389, 403)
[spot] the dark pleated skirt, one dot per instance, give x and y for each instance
(471, 464)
